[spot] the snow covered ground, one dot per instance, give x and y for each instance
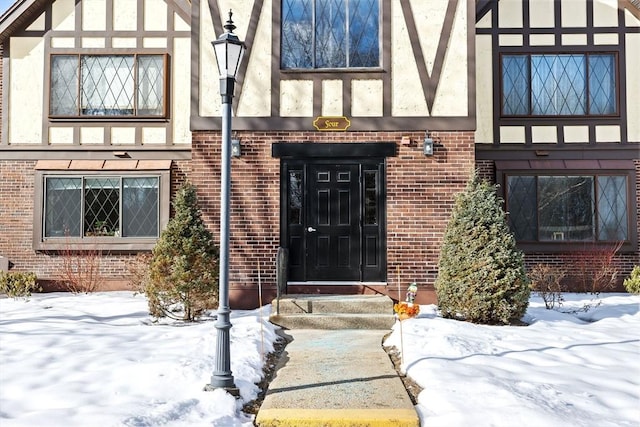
(99, 360)
(562, 370)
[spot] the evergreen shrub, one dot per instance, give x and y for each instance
(632, 283)
(18, 284)
(182, 281)
(481, 276)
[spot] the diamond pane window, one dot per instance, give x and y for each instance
(521, 199)
(568, 208)
(558, 85)
(101, 206)
(330, 34)
(62, 207)
(64, 85)
(515, 85)
(108, 85)
(602, 85)
(612, 208)
(140, 207)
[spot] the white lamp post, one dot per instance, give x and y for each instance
(229, 51)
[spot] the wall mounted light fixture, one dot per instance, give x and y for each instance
(427, 146)
(235, 148)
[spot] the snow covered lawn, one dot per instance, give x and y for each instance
(562, 370)
(98, 360)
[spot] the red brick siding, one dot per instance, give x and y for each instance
(16, 226)
(419, 199)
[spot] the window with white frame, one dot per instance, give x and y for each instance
(101, 206)
(108, 85)
(330, 34)
(582, 84)
(568, 207)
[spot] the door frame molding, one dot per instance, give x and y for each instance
(319, 152)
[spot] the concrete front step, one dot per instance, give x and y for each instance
(334, 312)
(334, 321)
(296, 304)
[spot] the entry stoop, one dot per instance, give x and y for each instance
(334, 312)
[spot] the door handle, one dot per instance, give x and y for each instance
(311, 229)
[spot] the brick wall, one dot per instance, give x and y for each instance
(419, 199)
(16, 226)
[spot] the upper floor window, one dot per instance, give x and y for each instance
(108, 85)
(568, 208)
(559, 85)
(330, 34)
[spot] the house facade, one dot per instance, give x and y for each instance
(354, 123)
(558, 127)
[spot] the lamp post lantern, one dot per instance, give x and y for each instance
(229, 51)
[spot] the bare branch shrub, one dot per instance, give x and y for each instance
(546, 282)
(80, 269)
(593, 269)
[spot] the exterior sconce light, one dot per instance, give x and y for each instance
(235, 148)
(427, 147)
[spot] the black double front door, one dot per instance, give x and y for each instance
(335, 220)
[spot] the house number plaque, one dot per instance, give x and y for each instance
(330, 123)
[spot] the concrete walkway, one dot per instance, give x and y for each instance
(336, 378)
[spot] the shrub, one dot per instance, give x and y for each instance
(593, 269)
(481, 274)
(183, 271)
(80, 269)
(18, 285)
(632, 283)
(546, 282)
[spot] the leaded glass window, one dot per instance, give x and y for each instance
(330, 34)
(370, 197)
(101, 206)
(108, 85)
(295, 197)
(558, 85)
(568, 208)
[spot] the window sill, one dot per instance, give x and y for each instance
(104, 244)
(574, 246)
(110, 119)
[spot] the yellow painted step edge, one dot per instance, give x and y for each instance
(337, 418)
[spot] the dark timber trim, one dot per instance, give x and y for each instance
(363, 150)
